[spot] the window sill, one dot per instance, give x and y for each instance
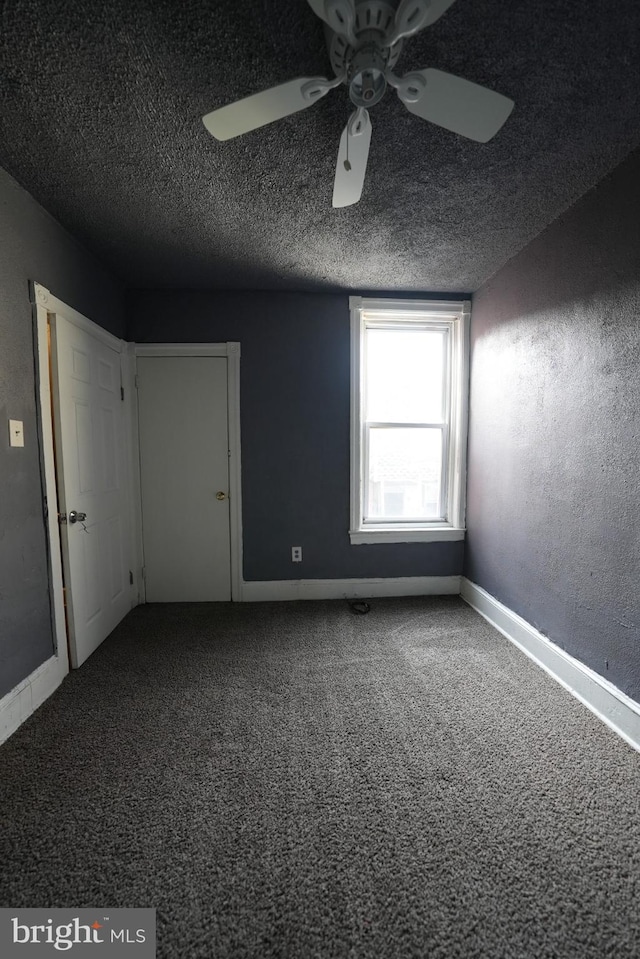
(432, 534)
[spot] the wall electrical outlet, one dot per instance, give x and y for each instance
(296, 554)
(16, 433)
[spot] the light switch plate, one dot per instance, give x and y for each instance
(16, 433)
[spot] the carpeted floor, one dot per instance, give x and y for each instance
(294, 780)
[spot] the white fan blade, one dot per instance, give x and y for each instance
(414, 15)
(262, 108)
(353, 154)
(455, 104)
(340, 15)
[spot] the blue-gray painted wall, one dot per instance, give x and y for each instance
(554, 462)
(295, 407)
(554, 427)
(32, 247)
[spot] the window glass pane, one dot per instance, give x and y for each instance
(404, 376)
(405, 474)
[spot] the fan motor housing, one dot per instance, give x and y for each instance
(365, 65)
(365, 76)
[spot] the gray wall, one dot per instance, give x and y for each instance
(553, 502)
(32, 247)
(295, 429)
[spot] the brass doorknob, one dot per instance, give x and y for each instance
(221, 495)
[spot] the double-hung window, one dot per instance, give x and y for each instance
(408, 419)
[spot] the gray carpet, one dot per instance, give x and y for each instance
(295, 780)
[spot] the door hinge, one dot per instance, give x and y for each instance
(144, 572)
(130, 577)
(122, 392)
(136, 380)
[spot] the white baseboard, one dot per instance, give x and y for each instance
(611, 705)
(24, 699)
(288, 589)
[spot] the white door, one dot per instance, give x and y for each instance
(184, 477)
(91, 467)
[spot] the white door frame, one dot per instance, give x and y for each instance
(232, 353)
(44, 400)
(46, 304)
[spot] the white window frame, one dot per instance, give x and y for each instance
(454, 317)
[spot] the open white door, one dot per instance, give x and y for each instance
(92, 481)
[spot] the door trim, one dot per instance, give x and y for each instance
(40, 299)
(46, 304)
(232, 353)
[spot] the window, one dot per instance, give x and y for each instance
(408, 420)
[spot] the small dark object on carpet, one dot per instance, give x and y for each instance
(359, 607)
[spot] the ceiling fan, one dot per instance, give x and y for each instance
(365, 39)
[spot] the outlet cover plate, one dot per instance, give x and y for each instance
(16, 433)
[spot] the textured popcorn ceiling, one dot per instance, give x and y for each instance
(100, 119)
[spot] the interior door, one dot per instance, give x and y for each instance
(91, 467)
(184, 475)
